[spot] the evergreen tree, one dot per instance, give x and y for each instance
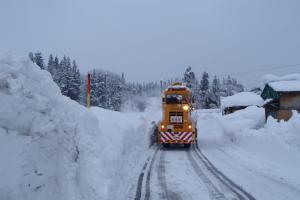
(74, 83)
(94, 94)
(56, 70)
(51, 65)
(31, 57)
(64, 73)
(191, 82)
(204, 83)
(189, 78)
(38, 59)
(215, 92)
(204, 89)
(64, 76)
(114, 92)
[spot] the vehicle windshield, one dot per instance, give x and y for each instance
(175, 99)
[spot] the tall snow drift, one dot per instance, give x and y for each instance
(40, 134)
(53, 148)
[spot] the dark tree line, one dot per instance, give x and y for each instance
(107, 89)
(111, 91)
(64, 72)
(207, 94)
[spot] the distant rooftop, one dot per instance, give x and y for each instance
(242, 99)
(287, 83)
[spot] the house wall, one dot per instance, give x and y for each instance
(290, 101)
(283, 114)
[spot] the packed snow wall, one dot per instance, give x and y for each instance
(53, 148)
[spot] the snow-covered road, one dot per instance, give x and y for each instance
(236, 159)
(180, 173)
(264, 185)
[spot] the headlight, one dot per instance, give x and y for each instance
(185, 107)
(162, 126)
(190, 126)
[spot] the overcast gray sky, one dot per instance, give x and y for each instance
(155, 39)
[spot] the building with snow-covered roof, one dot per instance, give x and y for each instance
(282, 95)
(240, 101)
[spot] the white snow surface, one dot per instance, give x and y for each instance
(290, 82)
(242, 99)
(53, 148)
(263, 158)
(39, 130)
(183, 86)
(285, 86)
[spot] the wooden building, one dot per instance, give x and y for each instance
(240, 101)
(281, 98)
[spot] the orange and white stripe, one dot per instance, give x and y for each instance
(175, 137)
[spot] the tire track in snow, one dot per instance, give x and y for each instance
(139, 188)
(265, 176)
(214, 192)
(170, 195)
(147, 195)
(138, 193)
(237, 190)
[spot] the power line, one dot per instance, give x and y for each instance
(264, 69)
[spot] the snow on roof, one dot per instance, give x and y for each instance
(287, 83)
(285, 86)
(242, 99)
(181, 86)
(273, 78)
(177, 86)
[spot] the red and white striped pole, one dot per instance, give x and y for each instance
(88, 96)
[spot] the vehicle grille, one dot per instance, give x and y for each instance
(178, 125)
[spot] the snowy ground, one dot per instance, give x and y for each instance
(263, 158)
(53, 148)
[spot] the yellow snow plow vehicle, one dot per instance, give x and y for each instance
(177, 125)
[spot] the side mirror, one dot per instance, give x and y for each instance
(163, 100)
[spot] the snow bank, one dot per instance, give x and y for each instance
(284, 132)
(242, 99)
(126, 138)
(254, 153)
(53, 148)
(225, 129)
(40, 133)
(249, 122)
